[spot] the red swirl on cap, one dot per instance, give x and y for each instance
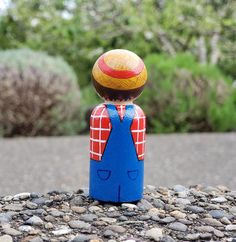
(121, 74)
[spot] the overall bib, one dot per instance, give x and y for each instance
(118, 177)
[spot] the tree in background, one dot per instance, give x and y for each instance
(81, 30)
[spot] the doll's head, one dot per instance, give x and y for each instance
(119, 75)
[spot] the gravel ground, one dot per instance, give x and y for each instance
(196, 213)
(43, 164)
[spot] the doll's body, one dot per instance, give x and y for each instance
(117, 128)
(117, 139)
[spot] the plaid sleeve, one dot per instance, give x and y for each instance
(100, 128)
(138, 130)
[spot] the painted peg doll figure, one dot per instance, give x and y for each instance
(117, 128)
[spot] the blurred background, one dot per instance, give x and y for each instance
(48, 48)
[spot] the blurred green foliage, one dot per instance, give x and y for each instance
(80, 30)
(183, 95)
(39, 94)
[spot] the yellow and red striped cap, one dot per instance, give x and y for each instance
(119, 75)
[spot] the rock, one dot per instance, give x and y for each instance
(108, 233)
(219, 199)
(195, 209)
(167, 220)
(231, 227)
(49, 218)
(179, 188)
(56, 213)
(7, 198)
(177, 226)
(88, 217)
(185, 221)
(77, 201)
(150, 188)
(217, 214)
(144, 217)
(182, 201)
(123, 218)
(212, 222)
(49, 226)
(36, 239)
(22, 196)
(155, 234)
(158, 203)
(11, 231)
(116, 228)
(233, 210)
(145, 205)
(129, 206)
(78, 209)
(94, 209)
(35, 220)
(153, 212)
(6, 238)
(14, 207)
(5, 218)
(207, 229)
(62, 231)
(108, 220)
(192, 236)
(25, 228)
(31, 205)
(205, 236)
(81, 238)
(77, 224)
(177, 214)
(225, 220)
(40, 201)
(112, 209)
(218, 233)
(167, 238)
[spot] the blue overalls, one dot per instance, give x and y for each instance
(118, 177)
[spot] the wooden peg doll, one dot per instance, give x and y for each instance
(117, 128)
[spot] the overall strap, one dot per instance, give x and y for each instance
(113, 114)
(129, 114)
(115, 118)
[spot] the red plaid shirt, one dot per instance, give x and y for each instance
(100, 128)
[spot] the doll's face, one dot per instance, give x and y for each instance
(119, 75)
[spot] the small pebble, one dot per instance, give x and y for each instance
(94, 209)
(219, 200)
(6, 238)
(192, 236)
(22, 196)
(155, 234)
(77, 224)
(35, 220)
(13, 207)
(177, 214)
(217, 214)
(231, 227)
(62, 231)
(78, 209)
(129, 206)
(178, 226)
(212, 222)
(116, 228)
(195, 209)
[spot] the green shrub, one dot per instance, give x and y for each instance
(185, 96)
(39, 94)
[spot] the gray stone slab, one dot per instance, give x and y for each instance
(62, 163)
